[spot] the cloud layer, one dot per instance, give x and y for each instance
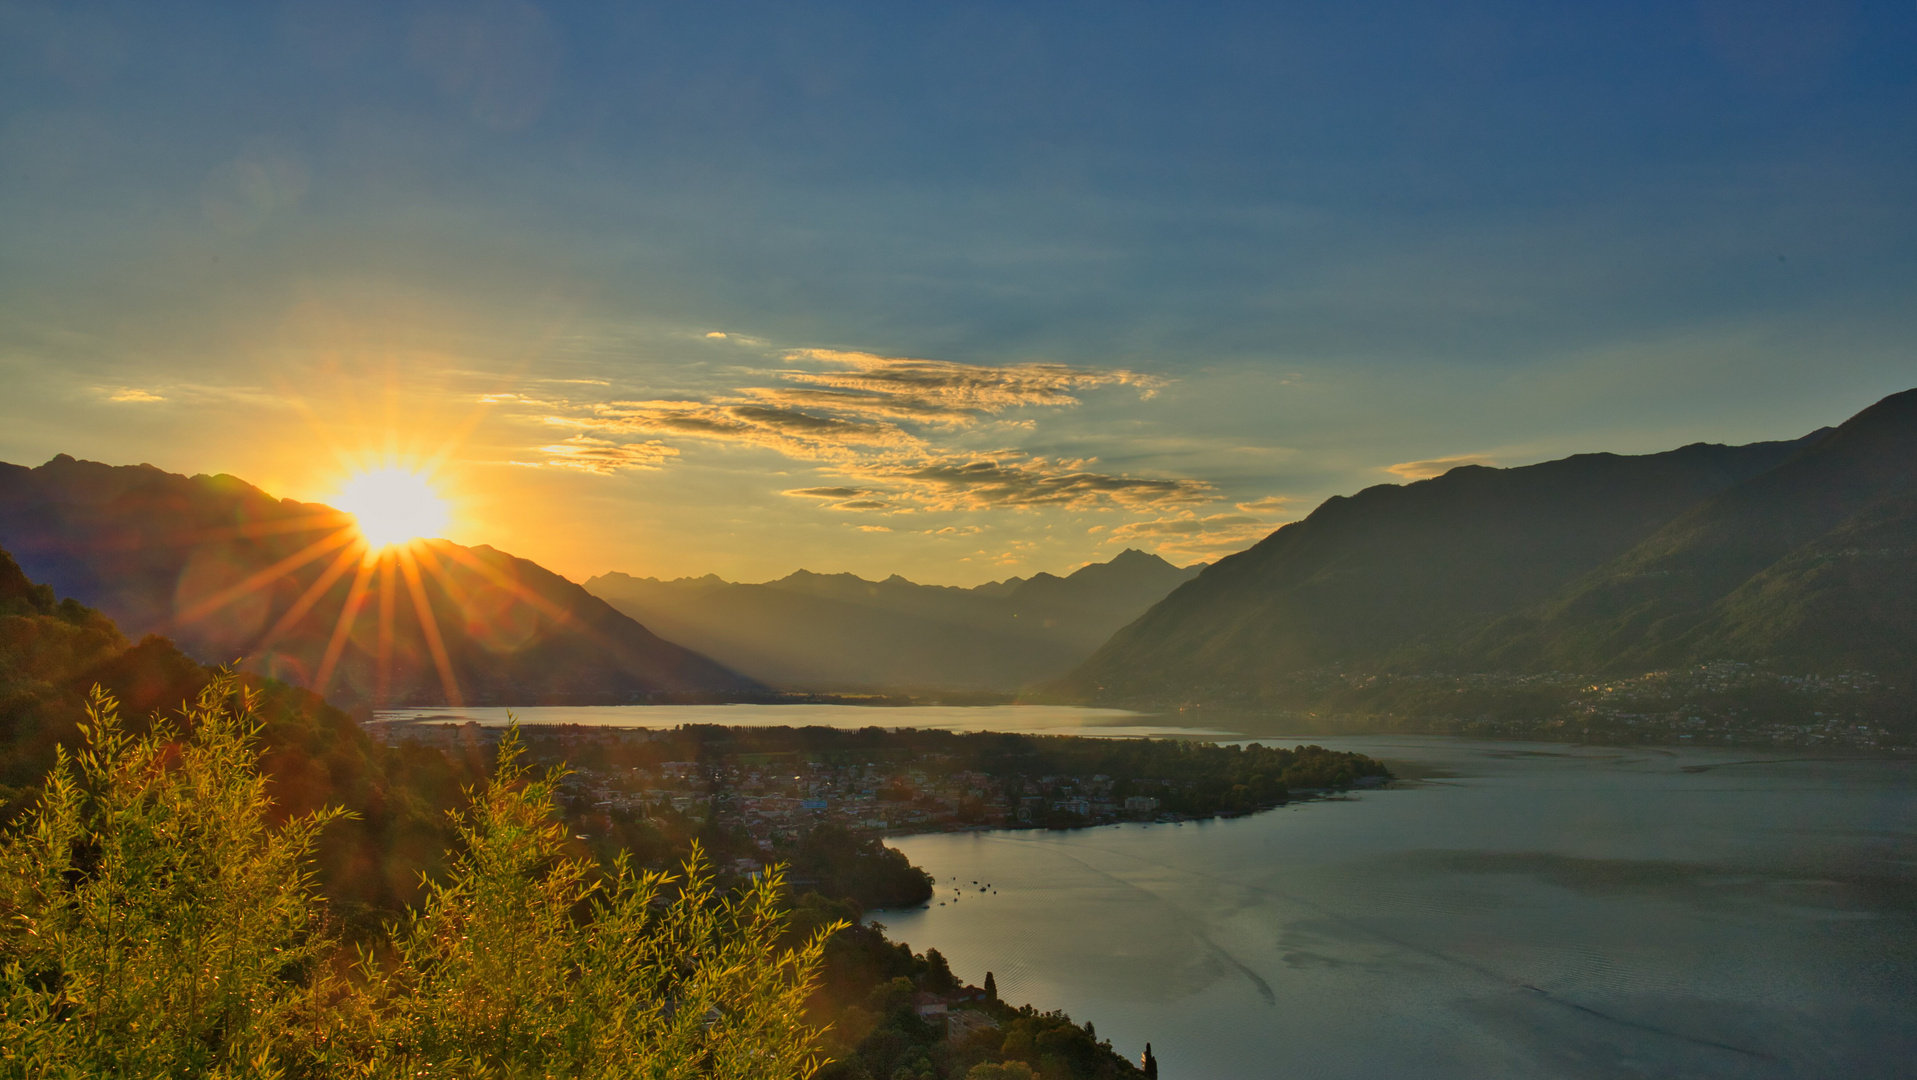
(1190, 535)
(879, 422)
(604, 456)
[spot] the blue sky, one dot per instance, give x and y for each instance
(1172, 273)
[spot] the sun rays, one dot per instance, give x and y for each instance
(385, 533)
(397, 602)
(358, 590)
(393, 505)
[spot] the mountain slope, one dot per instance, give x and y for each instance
(1404, 575)
(231, 572)
(839, 631)
(53, 654)
(1810, 562)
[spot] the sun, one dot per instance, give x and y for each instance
(394, 506)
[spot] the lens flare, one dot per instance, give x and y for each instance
(393, 506)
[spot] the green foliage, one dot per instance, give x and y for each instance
(862, 868)
(53, 653)
(498, 975)
(157, 922)
(868, 993)
(154, 924)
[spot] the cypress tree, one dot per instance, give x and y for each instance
(1149, 1064)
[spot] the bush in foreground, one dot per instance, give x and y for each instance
(153, 923)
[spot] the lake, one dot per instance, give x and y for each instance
(1532, 910)
(1023, 719)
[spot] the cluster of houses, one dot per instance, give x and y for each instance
(774, 800)
(775, 796)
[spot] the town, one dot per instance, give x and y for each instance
(778, 785)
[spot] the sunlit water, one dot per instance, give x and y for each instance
(1024, 719)
(1541, 911)
(1545, 912)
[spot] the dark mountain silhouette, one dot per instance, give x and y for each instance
(842, 632)
(229, 572)
(1812, 564)
(1414, 577)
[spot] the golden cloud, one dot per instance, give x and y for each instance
(996, 481)
(1425, 470)
(605, 457)
(796, 434)
(940, 387)
(826, 492)
(866, 417)
(1190, 535)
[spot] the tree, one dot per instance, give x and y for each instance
(154, 923)
(663, 978)
(151, 924)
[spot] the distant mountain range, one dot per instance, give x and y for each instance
(836, 632)
(1799, 555)
(229, 572)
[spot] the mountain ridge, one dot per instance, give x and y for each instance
(1696, 586)
(170, 554)
(842, 632)
(1398, 574)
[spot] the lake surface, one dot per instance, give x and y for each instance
(1022, 719)
(1544, 911)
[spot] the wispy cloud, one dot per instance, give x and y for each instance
(826, 492)
(958, 482)
(184, 393)
(1190, 535)
(879, 421)
(1425, 470)
(810, 436)
(604, 456)
(907, 386)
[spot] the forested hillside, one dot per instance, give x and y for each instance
(1398, 575)
(52, 655)
(1791, 560)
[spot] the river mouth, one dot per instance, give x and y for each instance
(1522, 910)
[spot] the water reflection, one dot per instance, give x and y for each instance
(1535, 911)
(1021, 719)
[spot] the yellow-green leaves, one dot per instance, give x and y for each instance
(153, 923)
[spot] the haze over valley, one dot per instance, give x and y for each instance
(842, 632)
